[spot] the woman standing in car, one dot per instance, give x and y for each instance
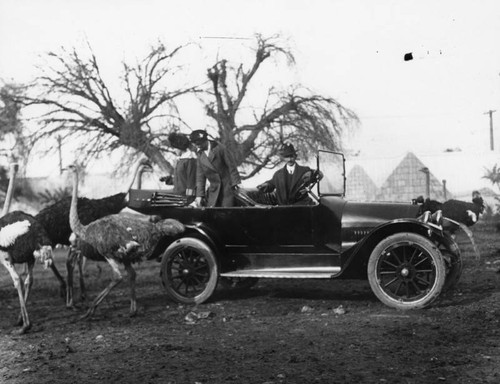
(184, 177)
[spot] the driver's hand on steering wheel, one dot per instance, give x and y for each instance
(307, 176)
(318, 175)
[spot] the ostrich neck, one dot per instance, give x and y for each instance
(134, 176)
(10, 189)
(74, 221)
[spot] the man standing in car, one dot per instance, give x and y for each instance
(289, 180)
(217, 165)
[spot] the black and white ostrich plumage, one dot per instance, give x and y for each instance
(460, 211)
(121, 240)
(23, 240)
(55, 218)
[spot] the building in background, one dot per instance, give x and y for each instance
(403, 178)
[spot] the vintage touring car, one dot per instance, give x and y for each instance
(406, 256)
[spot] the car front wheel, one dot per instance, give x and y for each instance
(189, 271)
(406, 271)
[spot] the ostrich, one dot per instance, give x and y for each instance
(79, 251)
(427, 204)
(22, 240)
(457, 214)
(55, 218)
(463, 212)
(13, 168)
(120, 239)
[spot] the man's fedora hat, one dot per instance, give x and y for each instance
(198, 137)
(287, 150)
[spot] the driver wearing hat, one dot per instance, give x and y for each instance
(289, 180)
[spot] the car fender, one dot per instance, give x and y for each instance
(357, 256)
(205, 233)
(196, 230)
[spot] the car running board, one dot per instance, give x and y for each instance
(286, 273)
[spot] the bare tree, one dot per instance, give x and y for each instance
(12, 131)
(297, 115)
(80, 106)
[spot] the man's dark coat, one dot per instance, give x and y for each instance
(221, 171)
(287, 186)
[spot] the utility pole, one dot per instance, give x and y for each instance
(490, 112)
(427, 181)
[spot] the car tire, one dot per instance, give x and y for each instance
(453, 262)
(406, 271)
(189, 271)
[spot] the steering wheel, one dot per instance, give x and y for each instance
(309, 180)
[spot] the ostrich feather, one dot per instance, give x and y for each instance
(11, 232)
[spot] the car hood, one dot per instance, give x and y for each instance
(373, 214)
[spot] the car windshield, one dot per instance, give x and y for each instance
(332, 165)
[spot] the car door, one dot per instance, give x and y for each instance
(247, 227)
(293, 225)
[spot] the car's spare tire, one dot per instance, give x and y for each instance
(406, 271)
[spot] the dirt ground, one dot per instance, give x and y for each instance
(281, 331)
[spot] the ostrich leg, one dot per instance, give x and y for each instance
(17, 284)
(28, 283)
(132, 275)
(62, 283)
(117, 278)
(70, 266)
(81, 267)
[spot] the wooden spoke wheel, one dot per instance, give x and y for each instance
(406, 271)
(189, 271)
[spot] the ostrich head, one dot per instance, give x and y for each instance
(44, 255)
(477, 199)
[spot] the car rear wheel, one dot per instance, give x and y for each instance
(189, 271)
(406, 271)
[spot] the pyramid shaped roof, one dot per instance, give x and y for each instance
(360, 186)
(409, 180)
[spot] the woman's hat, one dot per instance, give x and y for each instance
(178, 140)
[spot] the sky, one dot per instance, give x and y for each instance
(351, 50)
